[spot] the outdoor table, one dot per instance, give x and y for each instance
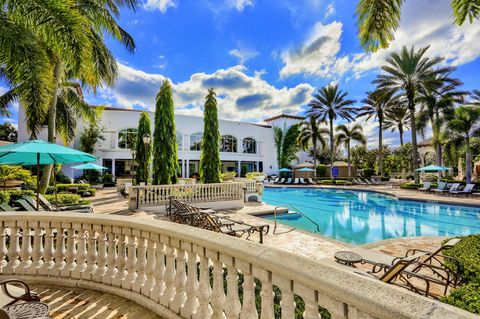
(347, 258)
(28, 310)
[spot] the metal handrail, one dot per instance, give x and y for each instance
(303, 214)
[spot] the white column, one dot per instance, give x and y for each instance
(183, 168)
(239, 168)
(187, 169)
(113, 167)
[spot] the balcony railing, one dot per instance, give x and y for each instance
(178, 271)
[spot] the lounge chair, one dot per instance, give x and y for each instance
(467, 190)
(303, 182)
(6, 208)
(14, 290)
(426, 187)
(441, 188)
(282, 181)
(289, 181)
(373, 181)
(24, 205)
(225, 227)
(297, 181)
(276, 180)
(46, 205)
(454, 187)
(359, 181)
(311, 181)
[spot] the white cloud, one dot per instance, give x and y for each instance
(329, 11)
(161, 5)
(240, 4)
(162, 63)
(243, 54)
(240, 96)
(317, 54)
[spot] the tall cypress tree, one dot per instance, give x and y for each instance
(144, 151)
(165, 157)
(210, 157)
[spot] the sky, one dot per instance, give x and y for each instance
(266, 57)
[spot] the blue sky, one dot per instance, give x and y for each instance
(266, 57)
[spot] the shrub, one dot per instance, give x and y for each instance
(253, 175)
(15, 173)
(410, 185)
(9, 196)
(368, 172)
(321, 170)
(467, 252)
(88, 192)
(335, 182)
(65, 187)
(62, 178)
(4, 197)
(228, 176)
(65, 199)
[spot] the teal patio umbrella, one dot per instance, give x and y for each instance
(90, 166)
(284, 169)
(433, 168)
(305, 169)
(38, 153)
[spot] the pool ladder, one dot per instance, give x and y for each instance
(296, 210)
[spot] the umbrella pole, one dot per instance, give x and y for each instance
(38, 181)
(55, 184)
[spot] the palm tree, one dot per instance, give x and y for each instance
(436, 103)
(375, 106)
(465, 122)
(409, 73)
(397, 119)
(347, 135)
(72, 47)
(311, 133)
(378, 20)
(329, 103)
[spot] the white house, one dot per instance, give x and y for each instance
(247, 145)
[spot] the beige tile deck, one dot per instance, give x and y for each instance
(76, 303)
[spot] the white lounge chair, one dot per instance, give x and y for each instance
(467, 190)
(303, 182)
(297, 181)
(426, 187)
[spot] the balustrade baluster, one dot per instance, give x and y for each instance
(159, 287)
(131, 259)
(141, 259)
(146, 289)
(204, 289)
(13, 252)
(49, 250)
(101, 254)
(169, 276)
(232, 301)
(287, 303)
(81, 254)
(92, 254)
(191, 304)
(217, 299)
(266, 294)
(310, 297)
(111, 256)
(3, 247)
(26, 250)
(37, 250)
(180, 277)
(121, 260)
(71, 251)
(60, 250)
(249, 311)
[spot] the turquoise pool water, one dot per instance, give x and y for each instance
(358, 217)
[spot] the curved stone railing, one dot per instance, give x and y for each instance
(178, 271)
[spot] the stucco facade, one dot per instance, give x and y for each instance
(247, 145)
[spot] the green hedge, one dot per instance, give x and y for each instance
(66, 199)
(411, 185)
(467, 252)
(335, 182)
(65, 187)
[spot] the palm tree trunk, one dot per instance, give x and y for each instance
(380, 146)
(348, 160)
(314, 142)
(400, 131)
(468, 162)
(331, 148)
(413, 126)
(51, 132)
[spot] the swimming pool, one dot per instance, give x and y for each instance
(359, 217)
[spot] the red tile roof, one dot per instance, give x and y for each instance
(294, 117)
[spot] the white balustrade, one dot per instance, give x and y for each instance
(155, 195)
(180, 272)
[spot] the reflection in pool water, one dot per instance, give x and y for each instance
(358, 217)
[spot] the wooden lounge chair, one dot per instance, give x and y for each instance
(426, 187)
(467, 190)
(229, 228)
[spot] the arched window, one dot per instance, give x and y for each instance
(196, 141)
(249, 145)
(228, 143)
(179, 141)
(127, 137)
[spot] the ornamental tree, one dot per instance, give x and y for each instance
(165, 157)
(143, 150)
(210, 157)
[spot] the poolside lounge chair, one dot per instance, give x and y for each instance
(440, 188)
(454, 187)
(359, 181)
(46, 205)
(276, 180)
(426, 187)
(289, 181)
(303, 182)
(225, 227)
(12, 292)
(6, 208)
(373, 181)
(282, 181)
(467, 190)
(24, 205)
(297, 181)
(311, 181)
